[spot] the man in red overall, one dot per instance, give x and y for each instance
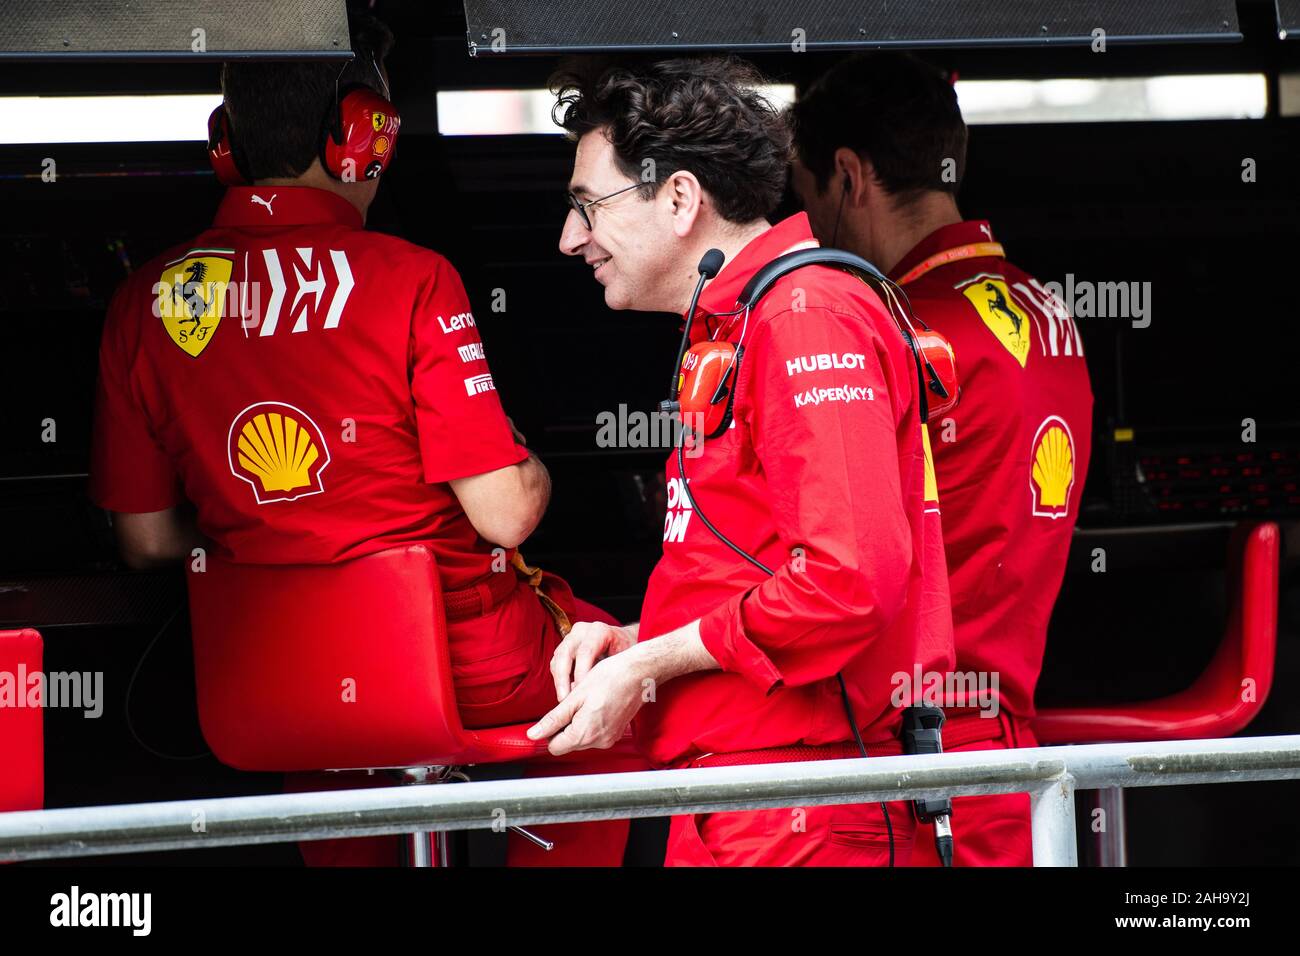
(821, 476)
(289, 388)
(880, 148)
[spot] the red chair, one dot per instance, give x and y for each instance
(1215, 705)
(340, 666)
(22, 743)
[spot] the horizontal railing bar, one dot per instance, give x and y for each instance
(275, 818)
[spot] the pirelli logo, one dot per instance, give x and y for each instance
(477, 384)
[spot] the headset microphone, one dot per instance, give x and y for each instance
(710, 265)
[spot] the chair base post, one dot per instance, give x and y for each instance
(1111, 840)
(419, 852)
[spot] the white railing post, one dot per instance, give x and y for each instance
(1051, 811)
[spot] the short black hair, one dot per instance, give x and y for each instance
(705, 116)
(278, 109)
(892, 108)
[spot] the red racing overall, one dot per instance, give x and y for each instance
(822, 477)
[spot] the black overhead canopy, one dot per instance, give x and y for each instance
(504, 27)
(1288, 19)
(173, 29)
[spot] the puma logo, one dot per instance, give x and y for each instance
(983, 228)
(266, 202)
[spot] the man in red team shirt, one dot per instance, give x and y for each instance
(288, 388)
(880, 149)
(740, 667)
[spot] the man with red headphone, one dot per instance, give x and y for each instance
(881, 147)
(289, 388)
(771, 630)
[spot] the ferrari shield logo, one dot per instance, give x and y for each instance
(192, 296)
(1005, 319)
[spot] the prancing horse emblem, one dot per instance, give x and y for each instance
(998, 303)
(1001, 313)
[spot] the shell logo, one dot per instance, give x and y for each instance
(381, 145)
(278, 450)
(1052, 472)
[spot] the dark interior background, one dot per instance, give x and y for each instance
(1159, 202)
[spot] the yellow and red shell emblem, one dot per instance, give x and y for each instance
(278, 450)
(1052, 468)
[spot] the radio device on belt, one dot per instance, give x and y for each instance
(923, 734)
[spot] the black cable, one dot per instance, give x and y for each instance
(690, 499)
(844, 691)
(126, 706)
(862, 749)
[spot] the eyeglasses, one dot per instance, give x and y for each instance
(581, 207)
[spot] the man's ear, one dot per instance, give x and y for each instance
(685, 196)
(856, 172)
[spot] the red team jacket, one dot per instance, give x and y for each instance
(823, 478)
(1011, 458)
(309, 385)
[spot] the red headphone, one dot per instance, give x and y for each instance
(221, 152)
(358, 135)
(705, 387)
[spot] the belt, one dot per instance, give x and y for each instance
(799, 752)
(489, 594)
(967, 725)
(482, 598)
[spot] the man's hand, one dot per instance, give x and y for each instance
(586, 644)
(596, 713)
(598, 708)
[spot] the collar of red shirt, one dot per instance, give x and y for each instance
(720, 293)
(945, 237)
(284, 206)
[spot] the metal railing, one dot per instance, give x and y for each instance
(1050, 775)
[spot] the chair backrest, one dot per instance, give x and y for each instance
(1231, 691)
(309, 667)
(22, 742)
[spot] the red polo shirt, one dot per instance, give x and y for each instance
(1012, 456)
(823, 479)
(309, 386)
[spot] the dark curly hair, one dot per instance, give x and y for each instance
(898, 111)
(701, 115)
